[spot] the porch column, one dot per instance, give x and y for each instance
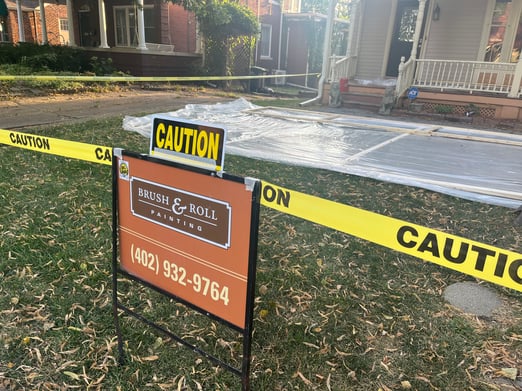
(43, 22)
(357, 43)
(70, 22)
(141, 26)
(20, 15)
(103, 25)
(418, 28)
(351, 31)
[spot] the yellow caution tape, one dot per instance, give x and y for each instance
(55, 146)
(479, 260)
(143, 78)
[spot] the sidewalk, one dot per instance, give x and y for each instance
(25, 111)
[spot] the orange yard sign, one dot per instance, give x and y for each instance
(187, 233)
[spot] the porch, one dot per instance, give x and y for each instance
(490, 89)
(154, 61)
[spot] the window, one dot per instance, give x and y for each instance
(265, 42)
(292, 6)
(517, 45)
(4, 36)
(64, 25)
(126, 24)
(504, 40)
(407, 25)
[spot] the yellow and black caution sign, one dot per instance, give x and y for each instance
(476, 259)
(192, 143)
(479, 260)
(55, 146)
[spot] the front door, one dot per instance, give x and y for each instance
(403, 33)
(88, 28)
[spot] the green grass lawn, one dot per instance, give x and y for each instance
(332, 312)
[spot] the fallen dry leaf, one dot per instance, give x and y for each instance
(510, 373)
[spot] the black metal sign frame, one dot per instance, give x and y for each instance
(244, 371)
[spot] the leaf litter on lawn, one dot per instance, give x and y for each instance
(331, 312)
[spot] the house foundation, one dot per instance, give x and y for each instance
(487, 106)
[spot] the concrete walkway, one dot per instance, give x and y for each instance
(25, 110)
(21, 112)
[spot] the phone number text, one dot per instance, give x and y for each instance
(178, 274)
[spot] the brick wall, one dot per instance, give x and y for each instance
(53, 14)
(12, 27)
(28, 18)
(183, 29)
(32, 24)
(263, 7)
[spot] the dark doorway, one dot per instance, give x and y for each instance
(87, 29)
(403, 33)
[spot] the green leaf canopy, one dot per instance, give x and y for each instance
(222, 18)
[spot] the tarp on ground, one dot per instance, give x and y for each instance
(471, 164)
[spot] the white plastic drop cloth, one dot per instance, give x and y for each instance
(472, 164)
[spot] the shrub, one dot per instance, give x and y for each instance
(444, 109)
(53, 58)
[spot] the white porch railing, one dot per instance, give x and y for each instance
(503, 78)
(405, 77)
(159, 47)
(470, 76)
(341, 67)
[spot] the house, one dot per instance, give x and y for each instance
(302, 49)
(144, 38)
(291, 41)
(457, 54)
(159, 38)
(56, 29)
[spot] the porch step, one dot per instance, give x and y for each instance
(361, 105)
(361, 100)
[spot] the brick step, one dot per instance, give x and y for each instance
(363, 98)
(362, 105)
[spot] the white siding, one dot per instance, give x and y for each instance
(457, 35)
(372, 47)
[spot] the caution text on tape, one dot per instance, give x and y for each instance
(476, 259)
(55, 146)
(473, 258)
